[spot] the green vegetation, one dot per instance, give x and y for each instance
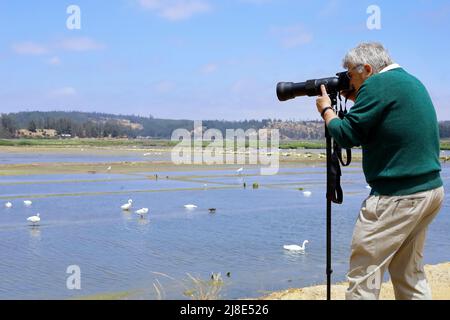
(302, 145)
(88, 142)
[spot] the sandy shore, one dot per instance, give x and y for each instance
(438, 277)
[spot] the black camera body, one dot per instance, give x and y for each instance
(311, 88)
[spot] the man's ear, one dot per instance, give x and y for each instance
(368, 69)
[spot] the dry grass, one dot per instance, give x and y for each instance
(194, 288)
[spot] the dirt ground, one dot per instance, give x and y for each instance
(438, 277)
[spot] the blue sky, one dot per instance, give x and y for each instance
(204, 59)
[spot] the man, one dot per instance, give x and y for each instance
(394, 121)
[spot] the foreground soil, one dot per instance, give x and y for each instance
(438, 277)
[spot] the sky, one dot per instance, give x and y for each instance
(205, 59)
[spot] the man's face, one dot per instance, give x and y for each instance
(357, 78)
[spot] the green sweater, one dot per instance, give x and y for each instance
(394, 121)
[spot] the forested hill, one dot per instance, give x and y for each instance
(97, 125)
(84, 124)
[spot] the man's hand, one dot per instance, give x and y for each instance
(324, 100)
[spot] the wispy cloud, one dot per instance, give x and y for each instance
(29, 48)
(175, 10)
(80, 44)
(63, 92)
(54, 61)
(292, 36)
(77, 44)
(163, 86)
(255, 1)
(209, 68)
(330, 8)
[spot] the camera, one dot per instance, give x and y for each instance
(311, 88)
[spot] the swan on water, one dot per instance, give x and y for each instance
(307, 193)
(8, 205)
(142, 211)
(34, 219)
(127, 206)
(190, 206)
(295, 247)
(27, 203)
(239, 171)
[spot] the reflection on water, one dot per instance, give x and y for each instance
(120, 251)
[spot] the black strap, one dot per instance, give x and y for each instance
(336, 194)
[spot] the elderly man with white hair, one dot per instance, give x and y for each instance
(394, 121)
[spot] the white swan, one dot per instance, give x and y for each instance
(295, 247)
(190, 206)
(368, 187)
(307, 193)
(8, 205)
(142, 211)
(239, 171)
(34, 219)
(27, 203)
(127, 206)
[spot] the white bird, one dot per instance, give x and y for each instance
(142, 211)
(307, 193)
(34, 219)
(109, 168)
(239, 171)
(27, 203)
(295, 247)
(368, 187)
(147, 154)
(127, 206)
(190, 206)
(8, 205)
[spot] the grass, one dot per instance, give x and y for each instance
(107, 296)
(86, 142)
(108, 142)
(195, 288)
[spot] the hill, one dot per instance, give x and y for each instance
(99, 125)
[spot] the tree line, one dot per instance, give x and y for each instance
(100, 125)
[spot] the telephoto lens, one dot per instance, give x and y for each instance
(311, 88)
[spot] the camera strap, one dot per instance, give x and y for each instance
(336, 160)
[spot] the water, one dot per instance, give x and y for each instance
(84, 156)
(82, 224)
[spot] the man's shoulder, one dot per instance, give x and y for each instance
(389, 79)
(388, 75)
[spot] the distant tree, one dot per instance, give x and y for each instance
(8, 126)
(32, 126)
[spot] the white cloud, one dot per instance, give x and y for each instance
(80, 44)
(29, 48)
(209, 68)
(255, 1)
(175, 10)
(330, 8)
(63, 92)
(54, 61)
(292, 36)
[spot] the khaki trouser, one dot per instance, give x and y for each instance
(390, 234)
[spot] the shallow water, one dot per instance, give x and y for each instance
(82, 224)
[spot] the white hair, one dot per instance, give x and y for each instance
(371, 53)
